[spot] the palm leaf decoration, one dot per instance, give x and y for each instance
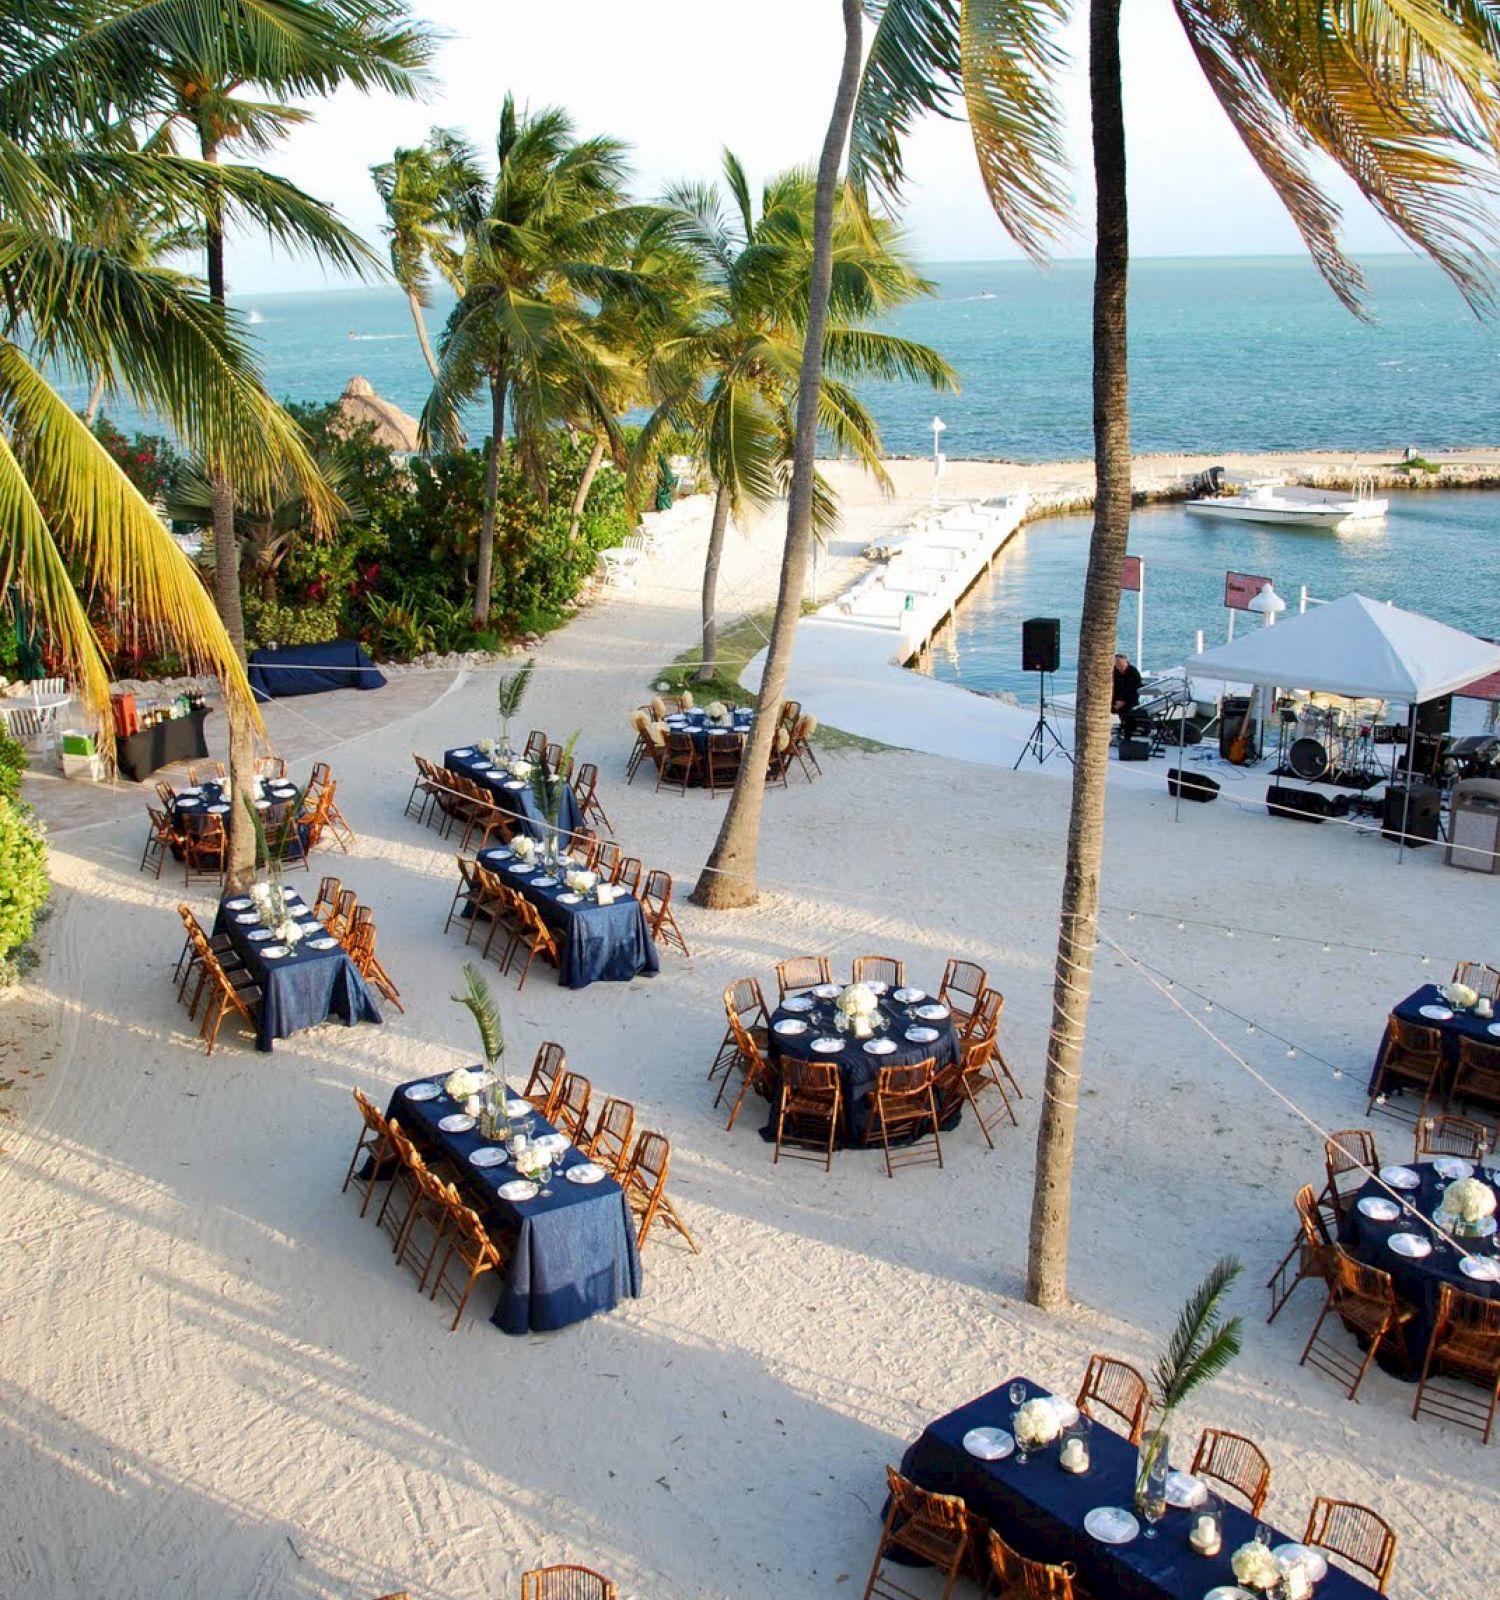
(482, 1006)
(271, 850)
(1203, 1343)
(512, 690)
(547, 785)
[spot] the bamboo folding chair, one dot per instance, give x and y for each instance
(889, 970)
(539, 938)
(374, 1143)
(571, 1112)
(1465, 1344)
(586, 792)
(1310, 1251)
(1355, 1533)
(167, 794)
(1020, 1578)
(204, 851)
(903, 1106)
(1350, 1150)
(656, 902)
(471, 1251)
(274, 767)
(421, 790)
(658, 708)
(225, 996)
(427, 1225)
(566, 1583)
(469, 893)
(984, 1023)
(335, 820)
(963, 983)
(779, 762)
(1479, 976)
(1478, 1077)
(721, 764)
(809, 1112)
(1364, 1299)
(1450, 1135)
(609, 1143)
(756, 1072)
(801, 746)
(554, 762)
(367, 963)
(499, 902)
(628, 875)
(1236, 1462)
(791, 710)
(797, 973)
(544, 1086)
(742, 1000)
(328, 899)
(160, 837)
(640, 751)
(341, 920)
(404, 1191)
(1411, 1058)
(1115, 1386)
(607, 857)
(645, 1186)
(932, 1527)
(980, 1071)
(535, 748)
(679, 763)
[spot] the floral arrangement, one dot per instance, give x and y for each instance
(581, 882)
(715, 709)
(520, 768)
(857, 1001)
(1469, 1201)
(486, 747)
(524, 846)
(289, 931)
(466, 1082)
(1255, 1566)
(1460, 996)
(1036, 1424)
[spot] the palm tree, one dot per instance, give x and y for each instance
(731, 372)
(431, 195)
(525, 331)
(728, 877)
(1401, 97)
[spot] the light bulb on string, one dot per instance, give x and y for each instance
(1291, 1050)
(1327, 948)
(1338, 1072)
(1181, 926)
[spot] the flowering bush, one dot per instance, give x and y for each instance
(24, 885)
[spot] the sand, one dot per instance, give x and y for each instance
(216, 1384)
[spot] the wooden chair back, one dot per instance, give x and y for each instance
(1414, 1039)
(1450, 1135)
(984, 1020)
(544, 1086)
(628, 874)
(1236, 1462)
(1024, 1579)
(933, 1526)
(889, 970)
(645, 1185)
(342, 919)
(1349, 1150)
(1480, 977)
(566, 1583)
(802, 972)
(1478, 1075)
(607, 858)
(1115, 1386)
(609, 1143)
(572, 1108)
(744, 1001)
(536, 745)
(963, 984)
(1361, 1536)
(328, 897)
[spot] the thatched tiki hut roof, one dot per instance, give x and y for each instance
(359, 404)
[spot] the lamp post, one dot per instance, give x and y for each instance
(1268, 605)
(939, 427)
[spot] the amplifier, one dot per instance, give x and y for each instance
(1135, 749)
(1193, 785)
(1421, 814)
(1300, 805)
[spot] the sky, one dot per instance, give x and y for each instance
(680, 79)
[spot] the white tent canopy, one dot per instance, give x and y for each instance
(1356, 647)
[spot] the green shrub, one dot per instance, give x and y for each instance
(24, 884)
(307, 622)
(13, 763)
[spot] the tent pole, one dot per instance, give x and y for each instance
(1187, 688)
(1411, 765)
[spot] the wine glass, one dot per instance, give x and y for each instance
(1153, 1506)
(544, 1174)
(1263, 1534)
(1017, 1396)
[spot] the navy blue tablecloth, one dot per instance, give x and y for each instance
(312, 669)
(696, 723)
(858, 1069)
(575, 1252)
(1462, 1024)
(1416, 1280)
(514, 794)
(192, 810)
(598, 942)
(300, 990)
(1039, 1509)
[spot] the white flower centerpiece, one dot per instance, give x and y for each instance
(525, 847)
(486, 747)
(1467, 1206)
(520, 768)
(581, 881)
(1036, 1424)
(1255, 1566)
(858, 1006)
(718, 713)
(1460, 996)
(289, 932)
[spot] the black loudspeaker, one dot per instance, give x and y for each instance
(1193, 785)
(1041, 644)
(1422, 814)
(1135, 749)
(1231, 720)
(1434, 716)
(1300, 805)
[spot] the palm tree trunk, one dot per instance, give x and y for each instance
(710, 661)
(240, 867)
(728, 876)
(92, 409)
(486, 564)
(585, 483)
(421, 322)
(1047, 1270)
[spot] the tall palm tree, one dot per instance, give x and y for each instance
(731, 372)
(728, 877)
(431, 194)
(1402, 96)
(525, 331)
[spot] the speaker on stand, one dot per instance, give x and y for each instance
(1041, 651)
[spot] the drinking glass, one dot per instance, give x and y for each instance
(1263, 1534)
(1017, 1394)
(544, 1176)
(1153, 1507)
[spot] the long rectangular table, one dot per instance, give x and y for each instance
(611, 942)
(277, 673)
(302, 989)
(138, 755)
(575, 1253)
(513, 794)
(1038, 1509)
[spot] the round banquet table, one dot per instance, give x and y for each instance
(1417, 1279)
(857, 1066)
(696, 723)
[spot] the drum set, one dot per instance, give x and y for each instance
(1329, 740)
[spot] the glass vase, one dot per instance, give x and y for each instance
(1151, 1467)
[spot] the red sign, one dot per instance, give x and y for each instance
(1486, 688)
(1130, 574)
(1240, 588)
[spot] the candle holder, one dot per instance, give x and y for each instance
(1206, 1533)
(1073, 1456)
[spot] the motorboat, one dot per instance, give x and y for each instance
(1282, 503)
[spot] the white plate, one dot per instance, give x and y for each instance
(879, 1047)
(196, 788)
(1400, 1178)
(1229, 1591)
(244, 918)
(933, 1013)
(1494, 1028)
(218, 811)
(876, 987)
(827, 1045)
(1437, 1013)
(587, 1173)
(519, 1108)
(518, 1189)
(256, 935)
(1067, 1412)
(1317, 1567)
(323, 944)
(1482, 1269)
(909, 997)
(482, 766)
(262, 805)
(189, 804)
(522, 867)
(544, 882)
(989, 1444)
(921, 1035)
(310, 925)
(489, 1155)
(514, 783)
(468, 750)
(1452, 1167)
(1410, 1244)
(422, 1091)
(1379, 1208)
(274, 952)
(1185, 1491)
(569, 899)
(1111, 1525)
(459, 1122)
(499, 852)
(827, 991)
(239, 903)
(798, 1002)
(791, 1025)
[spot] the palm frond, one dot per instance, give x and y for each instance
(912, 68)
(481, 1004)
(1202, 1344)
(547, 784)
(511, 690)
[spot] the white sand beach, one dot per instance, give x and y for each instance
(216, 1383)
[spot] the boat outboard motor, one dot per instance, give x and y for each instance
(1209, 483)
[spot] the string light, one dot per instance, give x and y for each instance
(1275, 935)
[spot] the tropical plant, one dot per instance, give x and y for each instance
(13, 762)
(278, 623)
(729, 369)
(24, 881)
(397, 628)
(432, 194)
(728, 876)
(509, 693)
(548, 785)
(1402, 98)
(526, 331)
(481, 1004)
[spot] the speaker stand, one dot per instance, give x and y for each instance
(1036, 744)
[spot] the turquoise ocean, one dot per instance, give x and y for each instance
(1226, 354)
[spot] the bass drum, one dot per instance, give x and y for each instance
(1308, 759)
